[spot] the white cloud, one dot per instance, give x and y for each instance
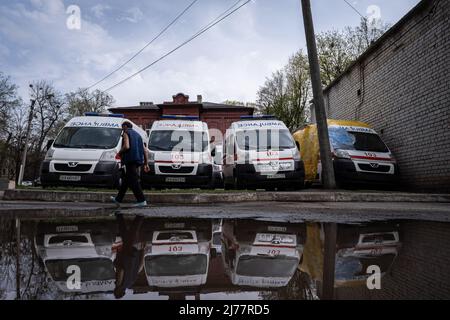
(230, 61)
(99, 10)
(134, 15)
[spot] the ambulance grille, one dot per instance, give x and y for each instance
(375, 168)
(76, 168)
(169, 169)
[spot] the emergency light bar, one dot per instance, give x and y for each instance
(180, 117)
(259, 117)
(96, 114)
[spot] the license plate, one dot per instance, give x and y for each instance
(276, 229)
(276, 238)
(174, 225)
(276, 176)
(173, 179)
(66, 228)
(70, 178)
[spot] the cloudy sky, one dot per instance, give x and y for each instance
(230, 61)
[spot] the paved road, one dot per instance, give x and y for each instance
(287, 211)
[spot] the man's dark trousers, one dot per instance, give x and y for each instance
(131, 180)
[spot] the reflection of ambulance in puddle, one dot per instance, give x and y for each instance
(359, 247)
(178, 252)
(66, 249)
(261, 254)
(180, 153)
(359, 154)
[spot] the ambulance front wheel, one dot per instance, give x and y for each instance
(237, 184)
(227, 186)
(117, 183)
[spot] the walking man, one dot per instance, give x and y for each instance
(133, 154)
(129, 260)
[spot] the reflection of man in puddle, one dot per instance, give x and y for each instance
(130, 255)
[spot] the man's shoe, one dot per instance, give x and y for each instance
(113, 199)
(140, 204)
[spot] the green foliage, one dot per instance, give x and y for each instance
(338, 49)
(82, 101)
(286, 93)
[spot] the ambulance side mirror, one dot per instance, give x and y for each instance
(213, 253)
(49, 144)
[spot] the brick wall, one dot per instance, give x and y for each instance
(401, 86)
(421, 270)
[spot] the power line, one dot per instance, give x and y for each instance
(215, 21)
(356, 10)
(149, 43)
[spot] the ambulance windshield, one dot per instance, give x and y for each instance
(176, 265)
(262, 266)
(178, 140)
(263, 140)
(90, 268)
(340, 138)
(88, 137)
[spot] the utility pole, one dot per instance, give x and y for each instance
(319, 105)
(329, 261)
(25, 148)
(18, 296)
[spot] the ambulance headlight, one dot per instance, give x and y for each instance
(296, 155)
(103, 250)
(49, 154)
(109, 155)
(206, 158)
(151, 156)
(286, 165)
(341, 154)
(392, 157)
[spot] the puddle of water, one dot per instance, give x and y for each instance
(133, 257)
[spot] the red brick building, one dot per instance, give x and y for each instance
(216, 115)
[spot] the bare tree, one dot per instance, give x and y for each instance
(9, 103)
(16, 143)
(9, 99)
(363, 36)
(49, 110)
(234, 103)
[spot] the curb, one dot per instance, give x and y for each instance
(235, 197)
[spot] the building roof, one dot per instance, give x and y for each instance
(418, 9)
(205, 105)
(212, 105)
(140, 107)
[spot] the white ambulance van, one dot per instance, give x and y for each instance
(77, 249)
(261, 254)
(180, 154)
(260, 152)
(177, 253)
(85, 152)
